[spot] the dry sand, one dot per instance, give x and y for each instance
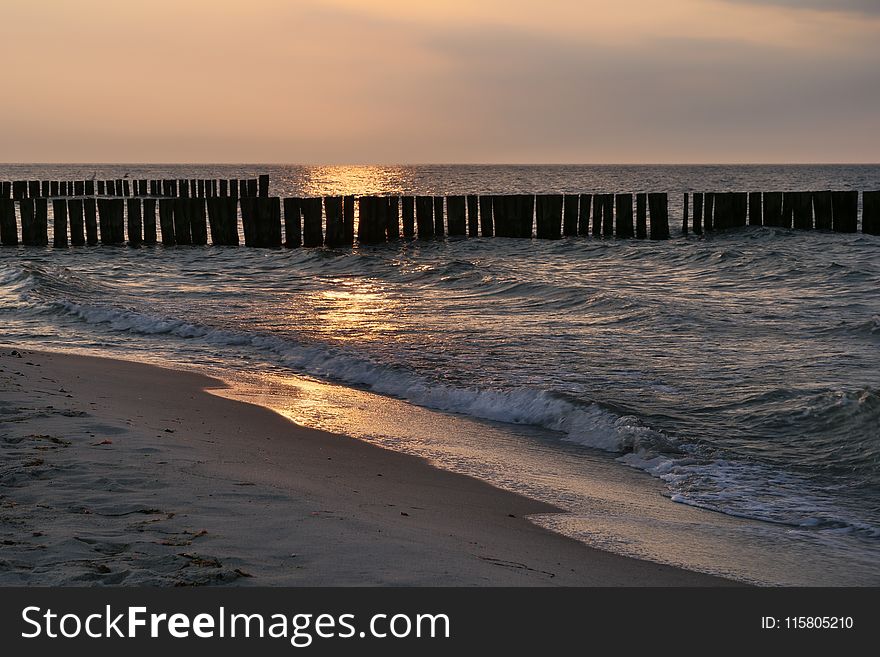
(123, 473)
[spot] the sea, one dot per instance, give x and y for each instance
(710, 402)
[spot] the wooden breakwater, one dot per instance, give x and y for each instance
(219, 214)
(125, 187)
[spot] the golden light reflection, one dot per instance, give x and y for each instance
(355, 180)
(354, 312)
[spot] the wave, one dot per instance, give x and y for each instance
(588, 424)
(694, 473)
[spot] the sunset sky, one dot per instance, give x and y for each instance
(400, 81)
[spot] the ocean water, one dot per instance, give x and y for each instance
(710, 402)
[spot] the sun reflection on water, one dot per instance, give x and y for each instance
(354, 311)
(357, 180)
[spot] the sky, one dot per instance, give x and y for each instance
(451, 81)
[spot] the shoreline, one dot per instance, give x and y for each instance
(119, 472)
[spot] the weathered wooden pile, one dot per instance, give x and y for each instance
(194, 212)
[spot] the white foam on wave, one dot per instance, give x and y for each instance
(702, 481)
(588, 425)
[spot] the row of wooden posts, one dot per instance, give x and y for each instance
(330, 220)
(187, 188)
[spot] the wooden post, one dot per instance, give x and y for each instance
(684, 214)
(739, 209)
(292, 223)
(755, 209)
(8, 225)
(845, 211)
(224, 188)
(624, 215)
(79, 187)
(598, 205)
(570, 215)
(802, 206)
(166, 221)
(658, 207)
(122, 187)
(264, 185)
(91, 219)
(33, 189)
(5, 189)
(312, 231)
(150, 234)
(59, 220)
(200, 189)
(216, 221)
(183, 186)
(722, 210)
(439, 229)
(424, 216)
(270, 221)
(773, 209)
(525, 215)
(41, 220)
(182, 221)
(408, 211)
(608, 215)
(698, 213)
(585, 204)
(487, 226)
(107, 209)
(455, 215)
(230, 213)
(501, 215)
(380, 219)
(392, 218)
(252, 187)
(90, 188)
(348, 219)
(871, 213)
(29, 232)
(364, 219)
(19, 190)
(44, 188)
(335, 230)
(117, 220)
(822, 208)
(233, 188)
(198, 222)
(549, 209)
(522, 213)
(373, 217)
(473, 215)
(787, 209)
(77, 225)
(135, 222)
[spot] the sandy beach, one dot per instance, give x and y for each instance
(123, 473)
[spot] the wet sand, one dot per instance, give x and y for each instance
(120, 473)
